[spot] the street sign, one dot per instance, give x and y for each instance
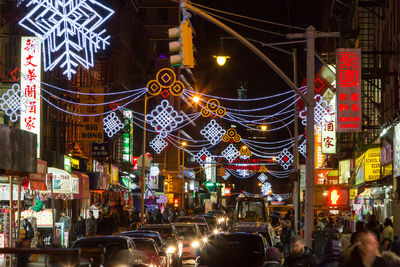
(100, 149)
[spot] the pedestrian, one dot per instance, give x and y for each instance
(300, 254)
(364, 253)
(360, 228)
(65, 222)
(80, 228)
(26, 237)
(332, 254)
(286, 237)
(91, 223)
(158, 216)
(165, 215)
(150, 218)
(273, 258)
(373, 226)
(388, 232)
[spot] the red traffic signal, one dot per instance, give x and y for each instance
(176, 202)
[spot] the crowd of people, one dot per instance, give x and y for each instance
(371, 244)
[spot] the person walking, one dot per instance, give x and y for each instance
(373, 226)
(65, 222)
(388, 232)
(332, 254)
(360, 228)
(91, 223)
(273, 258)
(165, 215)
(300, 255)
(80, 228)
(286, 237)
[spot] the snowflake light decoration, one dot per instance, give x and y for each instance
(164, 118)
(201, 156)
(213, 132)
(285, 158)
(230, 153)
(158, 144)
(262, 177)
(303, 148)
(112, 124)
(243, 173)
(322, 113)
(70, 31)
(266, 188)
(10, 103)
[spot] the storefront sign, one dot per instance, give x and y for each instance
(30, 86)
(352, 193)
(321, 176)
(114, 174)
(44, 217)
(359, 169)
(5, 192)
(74, 185)
(126, 151)
(67, 163)
(126, 181)
(319, 157)
(329, 132)
(100, 149)
(2, 243)
(348, 87)
(74, 164)
(61, 180)
(344, 171)
(162, 199)
(396, 151)
(372, 164)
(92, 126)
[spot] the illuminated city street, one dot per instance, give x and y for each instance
(170, 133)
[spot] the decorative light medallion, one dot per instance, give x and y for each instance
(323, 113)
(244, 150)
(262, 177)
(164, 118)
(266, 188)
(158, 144)
(70, 31)
(303, 147)
(201, 157)
(285, 158)
(263, 169)
(213, 109)
(230, 153)
(213, 132)
(165, 80)
(226, 175)
(112, 124)
(10, 103)
(231, 136)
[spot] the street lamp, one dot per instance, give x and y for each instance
(263, 128)
(196, 99)
(221, 60)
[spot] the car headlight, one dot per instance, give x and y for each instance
(171, 250)
(195, 244)
(216, 231)
(205, 239)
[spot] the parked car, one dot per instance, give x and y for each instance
(172, 245)
(151, 254)
(233, 249)
(190, 234)
(211, 220)
(147, 234)
(114, 250)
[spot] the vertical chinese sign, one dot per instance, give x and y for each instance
(30, 86)
(319, 157)
(348, 85)
(329, 133)
(92, 126)
(127, 149)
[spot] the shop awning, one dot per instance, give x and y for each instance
(64, 182)
(84, 191)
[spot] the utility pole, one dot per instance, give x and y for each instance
(310, 35)
(296, 182)
(143, 177)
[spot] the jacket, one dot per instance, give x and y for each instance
(307, 259)
(91, 225)
(387, 233)
(331, 254)
(272, 264)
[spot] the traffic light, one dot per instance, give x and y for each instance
(176, 202)
(181, 50)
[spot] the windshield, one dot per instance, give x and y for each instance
(145, 245)
(186, 231)
(232, 243)
(250, 211)
(203, 229)
(111, 246)
(166, 233)
(212, 222)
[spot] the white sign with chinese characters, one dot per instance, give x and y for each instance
(30, 86)
(329, 133)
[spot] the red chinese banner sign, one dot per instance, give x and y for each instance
(348, 86)
(30, 86)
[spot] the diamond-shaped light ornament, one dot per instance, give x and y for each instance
(266, 188)
(285, 158)
(158, 144)
(112, 124)
(262, 177)
(230, 153)
(201, 157)
(164, 118)
(226, 175)
(10, 103)
(303, 147)
(70, 30)
(213, 132)
(279, 198)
